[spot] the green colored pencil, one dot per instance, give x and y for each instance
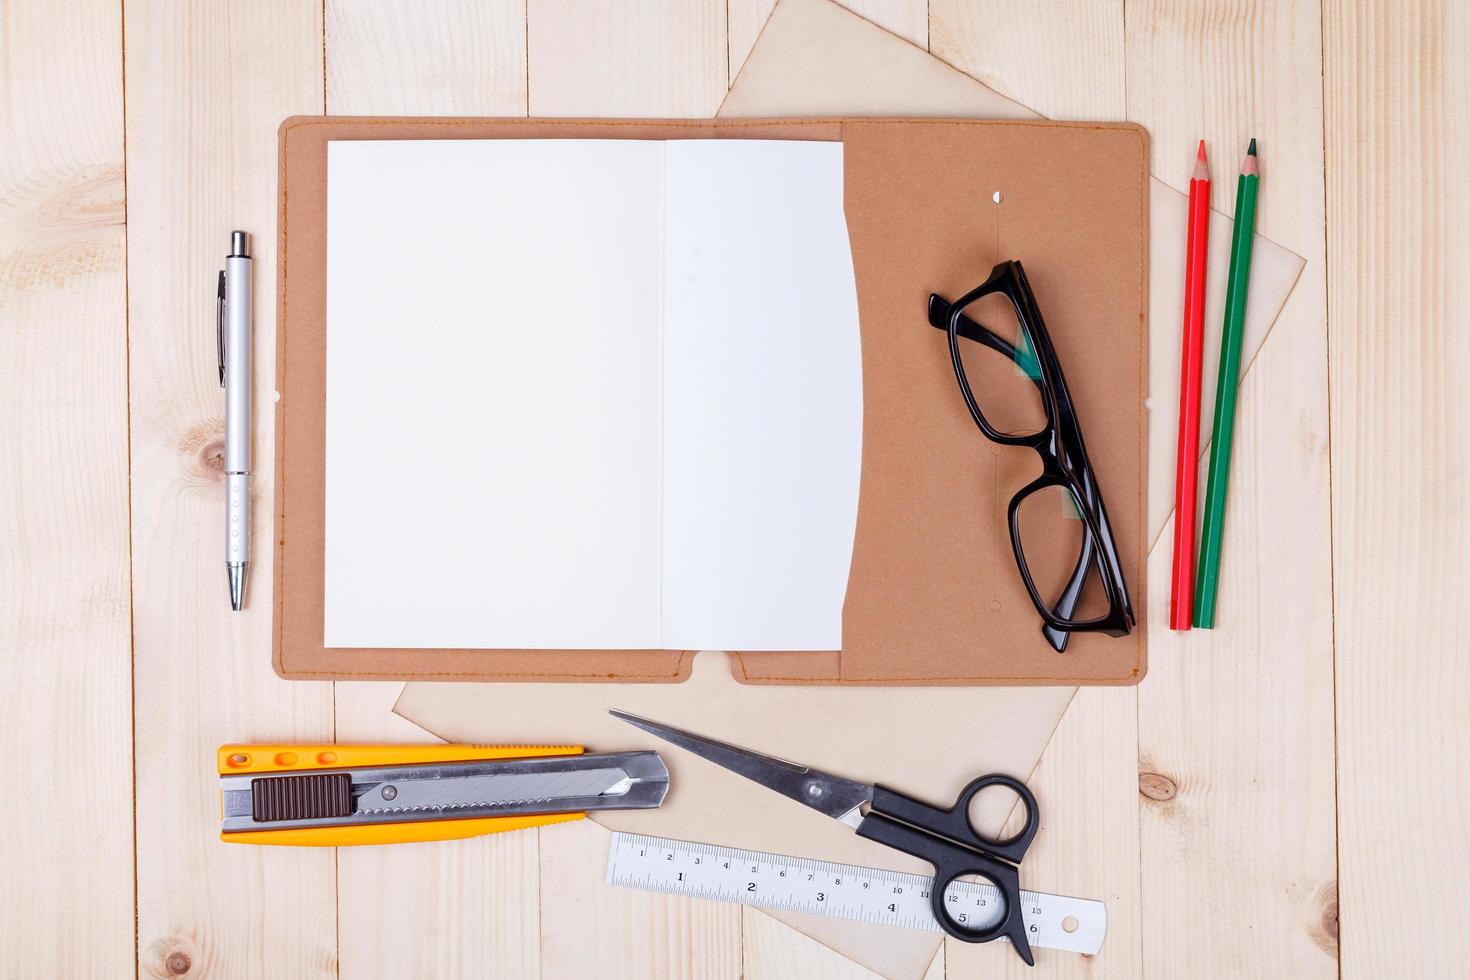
(1207, 582)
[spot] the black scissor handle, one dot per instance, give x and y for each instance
(955, 824)
(951, 862)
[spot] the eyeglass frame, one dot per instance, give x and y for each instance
(1060, 445)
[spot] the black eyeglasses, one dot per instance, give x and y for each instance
(1063, 544)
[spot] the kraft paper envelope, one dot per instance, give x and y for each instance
(815, 58)
(927, 742)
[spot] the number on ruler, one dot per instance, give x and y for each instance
(849, 892)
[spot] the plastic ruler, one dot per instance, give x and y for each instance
(842, 891)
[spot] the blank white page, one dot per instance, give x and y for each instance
(493, 393)
(762, 396)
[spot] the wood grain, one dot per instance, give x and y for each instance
(64, 580)
(1085, 780)
(1061, 58)
(774, 951)
(1396, 84)
(589, 928)
(1088, 843)
(1235, 724)
(207, 84)
(106, 362)
(909, 19)
(463, 908)
(452, 908)
(401, 58)
(626, 57)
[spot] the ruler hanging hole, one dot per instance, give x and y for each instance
(1069, 924)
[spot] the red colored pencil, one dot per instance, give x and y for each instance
(1181, 604)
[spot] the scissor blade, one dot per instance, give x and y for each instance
(841, 799)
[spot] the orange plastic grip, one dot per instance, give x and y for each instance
(240, 760)
(244, 759)
(395, 833)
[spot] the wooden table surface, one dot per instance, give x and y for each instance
(1308, 763)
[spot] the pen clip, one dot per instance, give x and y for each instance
(219, 326)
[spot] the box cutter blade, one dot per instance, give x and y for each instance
(388, 794)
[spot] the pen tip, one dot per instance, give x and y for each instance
(1251, 150)
(237, 586)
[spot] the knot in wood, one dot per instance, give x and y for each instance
(1157, 786)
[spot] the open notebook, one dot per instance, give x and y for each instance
(589, 394)
(587, 414)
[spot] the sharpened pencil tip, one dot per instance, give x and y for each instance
(1251, 166)
(1201, 164)
(1251, 150)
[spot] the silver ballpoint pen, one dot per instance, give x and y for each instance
(232, 325)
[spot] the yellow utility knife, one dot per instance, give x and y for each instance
(335, 795)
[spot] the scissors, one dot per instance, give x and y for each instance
(944, 838)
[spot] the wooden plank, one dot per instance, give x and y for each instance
(452, 908)
(465, 908)
(626, 57)
(207, 85)
(775, 951)
(1085, 782)
(65, 641)
(909, 19)
(1235, 725)
(1088, 842)
(1397, 147)
(1062, 59)
(398, 57)
(592, 929)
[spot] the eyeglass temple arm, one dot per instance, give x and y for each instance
(1067, 604)
(1100, 514)
(939, 310)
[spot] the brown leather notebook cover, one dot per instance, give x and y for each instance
(933, 596)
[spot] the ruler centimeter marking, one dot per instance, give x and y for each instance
(842, 891)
